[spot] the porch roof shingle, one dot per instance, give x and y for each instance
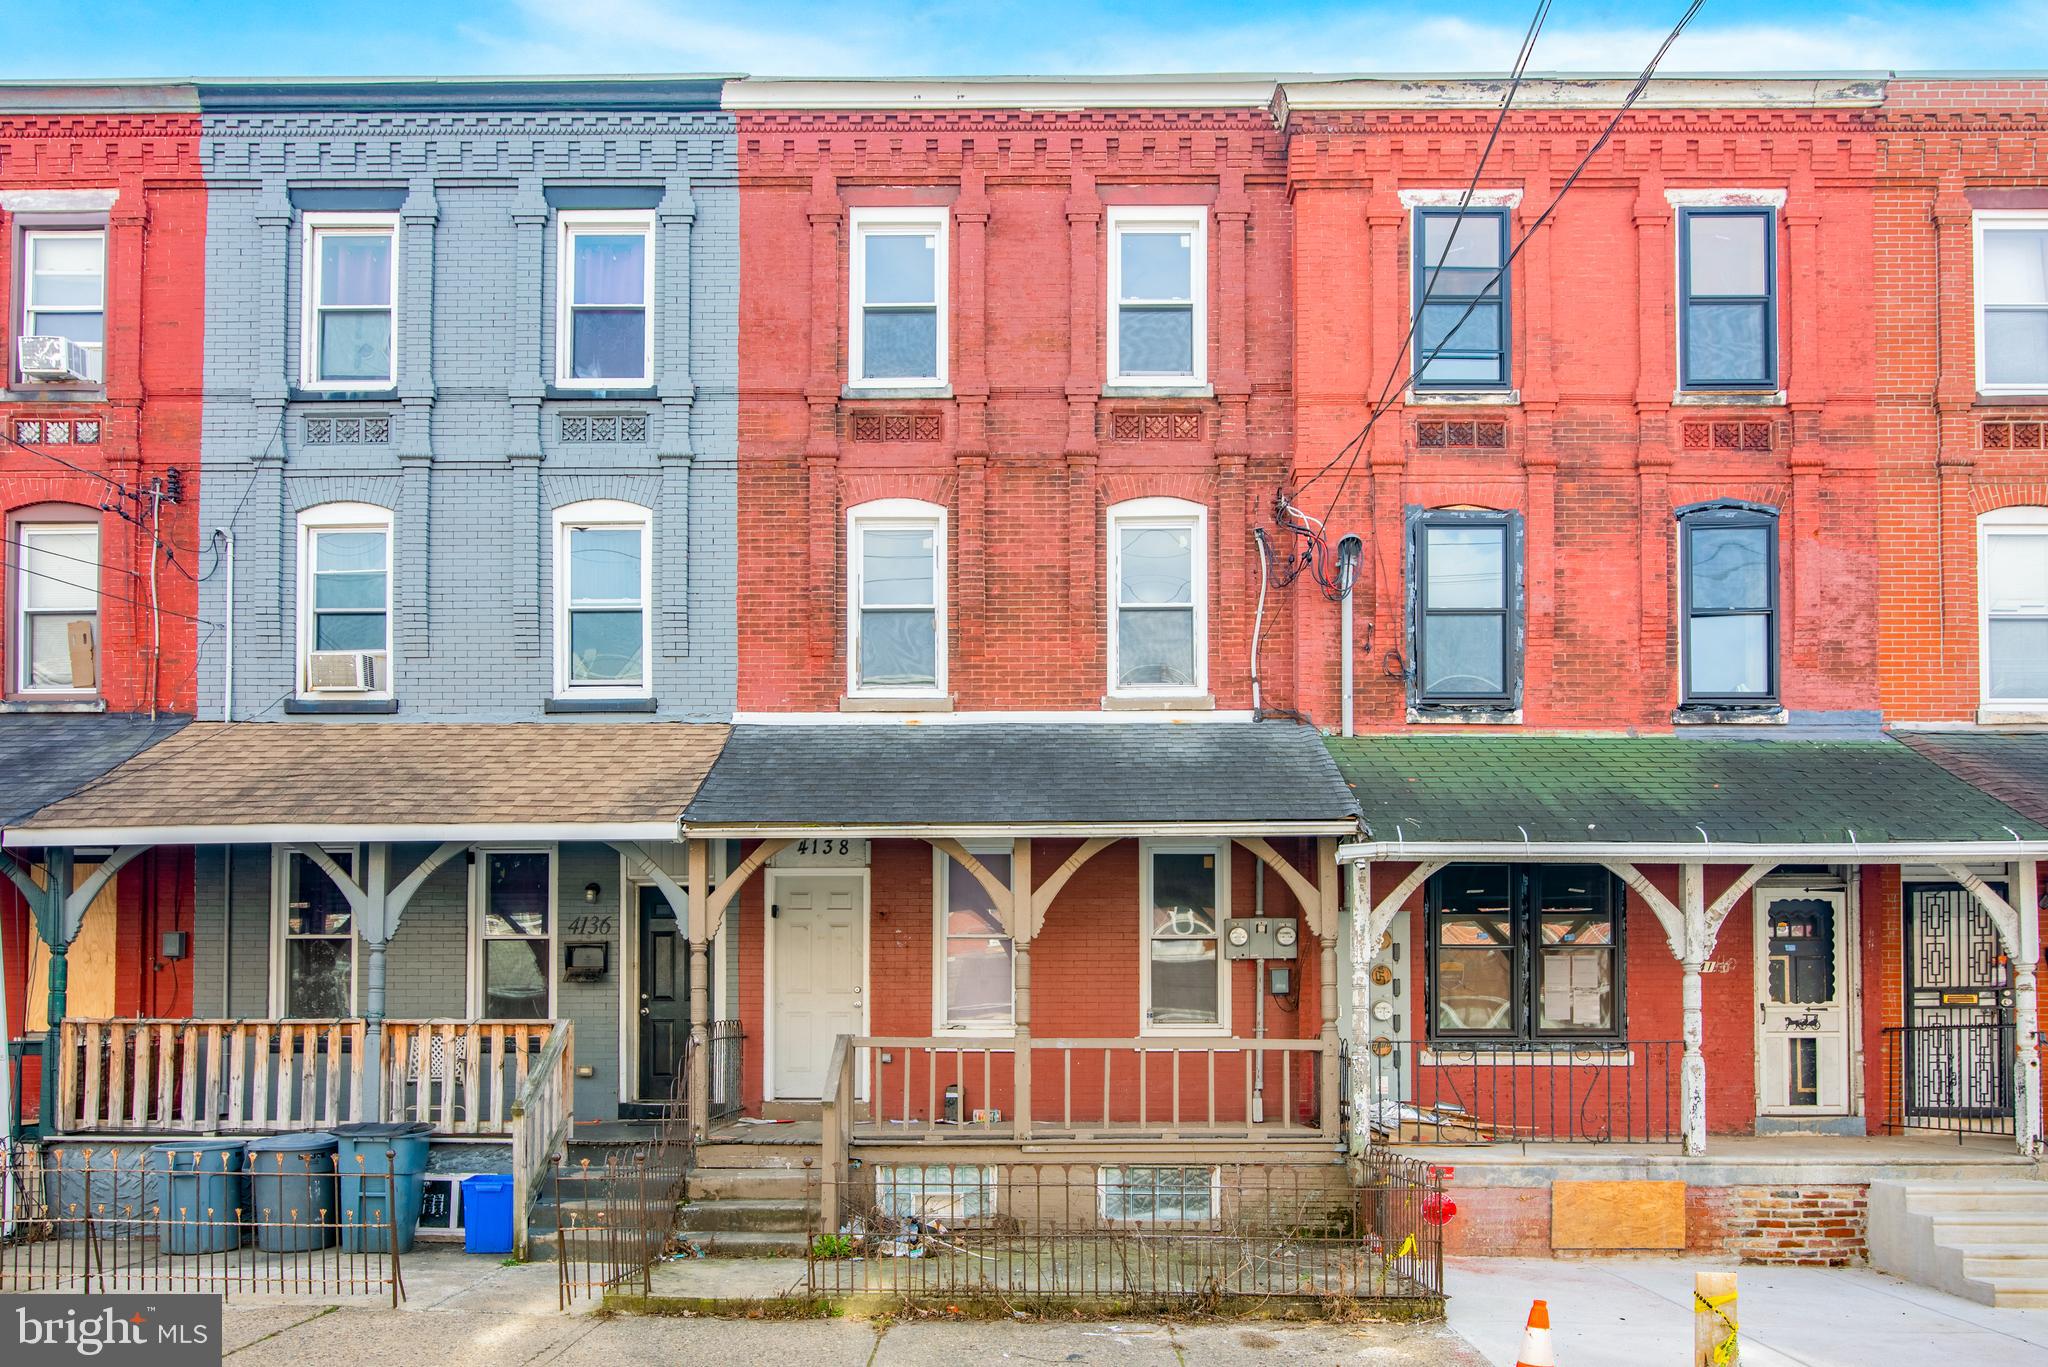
(1665, 790)
(427, 775)
(2012, 768)
(1079, 774)
(44, 757)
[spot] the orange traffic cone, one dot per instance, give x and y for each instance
(1536, 1349)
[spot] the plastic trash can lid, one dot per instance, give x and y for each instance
(381, 1129)
(199, 1146)
(311, 1141)
(487, 1181)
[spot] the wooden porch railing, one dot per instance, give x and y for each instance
(137, 1076)
(542, 1114)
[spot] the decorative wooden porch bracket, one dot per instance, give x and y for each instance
(1042, 899)
(998, 891)
(1305, 893)
(1381, 918)
(736, 878)
(672, 892)
(2021, 936)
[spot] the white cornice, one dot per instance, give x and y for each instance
(1451, 199)
(1051, 93)
(1583, 92)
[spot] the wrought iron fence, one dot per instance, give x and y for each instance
(728, 1068)
(615, 1215)
(1625, 1092)
(1951, 1078)
(101, 1220)
(1167, 1234)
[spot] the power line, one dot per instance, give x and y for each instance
(19, 568)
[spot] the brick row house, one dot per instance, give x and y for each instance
(1152, 624)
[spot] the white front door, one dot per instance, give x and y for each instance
(819, 975)
(1803, 999)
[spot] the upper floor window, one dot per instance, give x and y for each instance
(2012, 585)
(345, 600)
(602, 590)
(351, 301)
(2012, 302)
(1467, 628)
(1728, 310)
(64, 290)
(977, 984)
(898, 329)
(604, 334)
(1524, 952)
(57, 607)
(897, 587)
(1158, 597)
(1158, 274)
(1461, 298)
(1729, 586)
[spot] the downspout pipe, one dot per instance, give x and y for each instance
(1350, 551)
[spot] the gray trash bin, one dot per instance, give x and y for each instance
(197, 1185)
(291, 1191)
(377, 1192)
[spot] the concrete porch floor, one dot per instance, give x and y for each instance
(1734, 1159)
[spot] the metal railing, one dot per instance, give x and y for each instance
(1184, 1234)
(615, 1216)
(136, 1076)
(86, 1220)
(542, 1115)
(1473, 1093)
(1951, 1078)
(728, 1068)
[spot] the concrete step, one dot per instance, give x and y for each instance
(1958, 1230)
(719, 1184)
(2028, 1197)
(2016, 1293)
(746, 1216)
(723, 1243)
(720, 1154)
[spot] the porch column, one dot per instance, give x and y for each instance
(700, 988)
(1021, 929)
(2026, 1073)
(1692, 1078)
(50, 918)
(1326, 939)
(376, 922)
(1363, 946)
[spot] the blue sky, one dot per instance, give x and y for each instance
(961, 37)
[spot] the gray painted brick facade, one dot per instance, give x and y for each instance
(474, 463)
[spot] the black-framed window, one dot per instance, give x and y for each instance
(1461, 298)
(1525, 952)
(1728, 554)
(1728, 306)
(1467, 629)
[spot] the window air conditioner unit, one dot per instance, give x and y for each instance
(341, 671)
(52, 358)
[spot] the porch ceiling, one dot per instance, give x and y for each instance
(1832, 799)
(48, 757)
(1092, 778)
(267, 781)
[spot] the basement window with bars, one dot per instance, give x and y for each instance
(1525, 953)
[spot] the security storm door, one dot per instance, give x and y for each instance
(1803, 994)
(664, 996)
(819, 976)
(1959, 1044)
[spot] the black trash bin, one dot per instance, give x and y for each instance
(198, 1190)
(380, 1195)
(291, 1191)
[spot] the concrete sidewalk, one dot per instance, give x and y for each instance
(1638, 1312)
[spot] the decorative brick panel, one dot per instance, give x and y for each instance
(352, 429)
(604, 429)
(2010, 434)
(894, 427)
(1461, 434)
(1155, 426)
(1730, 434)
(58, 431)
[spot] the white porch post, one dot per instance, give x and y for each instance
(1358, 888)
(2026, 1091)
(1692, 1083)
(377, 937)
(1021, 929)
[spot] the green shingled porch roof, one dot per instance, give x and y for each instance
(1561, 789)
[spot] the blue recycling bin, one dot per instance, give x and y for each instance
(487, 1213)
(198, 1194)
(291, 1191)
(380, 1194)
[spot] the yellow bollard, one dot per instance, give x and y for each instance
(1714, 1325)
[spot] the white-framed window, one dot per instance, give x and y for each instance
(350, 288)
(2012, 301)
(603, 588)
(56, 581)
(1158, 295)
(1152, 1194)
(1158, 598)
(896, 599)
(897, 327)
(513, 905)
(604, 287)
(2012, 589)
(1184, 900)
(64, 289)
(345, 600)
(975, 988)
(314, 965)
